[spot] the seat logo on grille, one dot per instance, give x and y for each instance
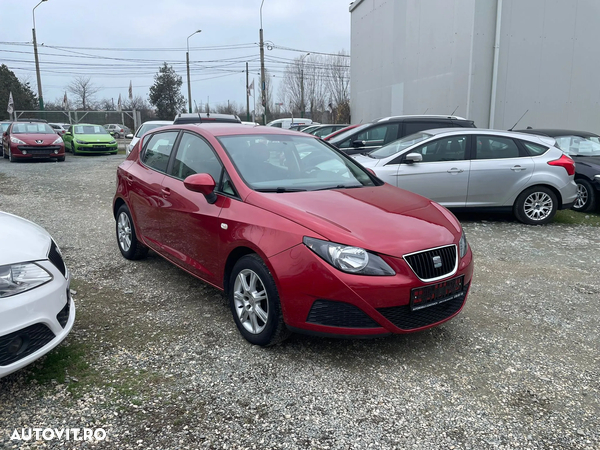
(437, 262)
(39, 141)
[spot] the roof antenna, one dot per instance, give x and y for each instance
(511, 128)
(454, 110)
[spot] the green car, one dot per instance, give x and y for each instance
(88, 138)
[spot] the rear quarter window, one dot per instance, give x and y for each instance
(534, 149)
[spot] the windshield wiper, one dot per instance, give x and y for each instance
(280, 190)
(341, 186)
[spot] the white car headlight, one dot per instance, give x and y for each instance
(463, 245)
(17, 278)
(80, 141)
(349, 259)
(15, 140)
(58, 141)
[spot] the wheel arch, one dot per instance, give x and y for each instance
(555, 191)
(232, 258)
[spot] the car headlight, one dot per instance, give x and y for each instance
(80, 142)
(58, 141)
(17, 278)
(349, 259)
(463, 245)
(15, 140)
(113, 142)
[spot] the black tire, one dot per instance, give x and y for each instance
(113, 153)
(535, 206)
(73, 148)
(127, 240)
(10, 156)
(586, 196)
(60, 158)
(4, 154)
(268, 327)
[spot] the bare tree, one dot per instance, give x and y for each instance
(338, 85)
(84, 90)
(229, 108)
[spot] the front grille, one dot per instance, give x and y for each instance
(39, 150)
(63, 315)
(405, 319)
(422, 263)
(339, 314)
(55, 258)
(33, 338)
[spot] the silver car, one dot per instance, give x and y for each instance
(480, 169)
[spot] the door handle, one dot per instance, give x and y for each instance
(455, 170)
(166, 192)
(517, 168)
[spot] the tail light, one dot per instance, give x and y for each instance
(566, 162)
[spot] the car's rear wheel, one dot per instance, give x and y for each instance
(129, 245)
(586, 197)
(536, 206)
(254, 302)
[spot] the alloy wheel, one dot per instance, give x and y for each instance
(538, 206)
(251, 301)
(124, 231)
(582, 196)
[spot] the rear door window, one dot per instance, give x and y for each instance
(495, 147)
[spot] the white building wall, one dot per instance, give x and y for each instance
(432, 56)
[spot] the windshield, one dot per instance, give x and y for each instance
(346, 134)
(399, 145)
(578, 145)
(281, 163)
(89, 129)
(32, 128)
(147, 127)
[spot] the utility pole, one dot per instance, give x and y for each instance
(37, 61)
(262, 69)
(187, 61)
(302, 107)
(247, 95)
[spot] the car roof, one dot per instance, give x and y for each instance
(232, 129)
(554, 132)
(419, 116)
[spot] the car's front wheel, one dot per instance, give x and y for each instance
(536, 206)
(129, 245)
(254, 301)
(4, 154)
(586, 197)
(73, 150)
(11, 158)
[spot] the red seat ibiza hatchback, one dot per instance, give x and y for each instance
(299, 236)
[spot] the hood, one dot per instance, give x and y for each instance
(383, 219)
(31, 139)
(22, 240)
(94, 137)
(365, 161)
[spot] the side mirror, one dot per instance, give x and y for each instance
(129, 136)
(67, 133)
(597, 177)
(413, 158)
(358, 143)
(371, 171)
(203, 183)
(5, 133)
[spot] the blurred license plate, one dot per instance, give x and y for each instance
(434, 294)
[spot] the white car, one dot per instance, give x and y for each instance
(36, 308)
(143, 129)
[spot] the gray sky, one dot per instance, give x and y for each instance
(115, 42)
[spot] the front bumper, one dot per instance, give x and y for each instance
(96, 148)
(39, 319)
(318, 299)
(34, 152)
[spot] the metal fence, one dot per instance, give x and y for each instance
(131, 119)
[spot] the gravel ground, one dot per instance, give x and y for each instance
(155, 359)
